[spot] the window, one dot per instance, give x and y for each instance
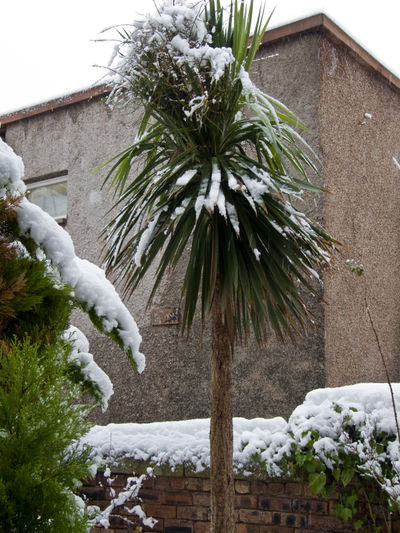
(50, 193)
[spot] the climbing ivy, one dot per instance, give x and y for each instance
(357, 465)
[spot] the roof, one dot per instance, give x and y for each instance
(315, 23)
(322, 23)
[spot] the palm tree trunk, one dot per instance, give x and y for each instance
(221, 432)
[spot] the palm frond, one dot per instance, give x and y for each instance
(202, 180)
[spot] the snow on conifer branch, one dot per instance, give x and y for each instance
(92, 291)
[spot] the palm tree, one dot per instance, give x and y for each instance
(214, 168)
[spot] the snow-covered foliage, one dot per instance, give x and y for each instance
(178, 443)
(91, 290)
(170, 61)
(90, 371)
(129, 495)
(164, 44)
(11, 172)
(212, 151)
(349, 420)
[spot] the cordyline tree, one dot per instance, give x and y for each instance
(213, 171)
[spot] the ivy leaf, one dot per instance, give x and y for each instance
(358, 524)
(347, 476)
(316, 482)
(345, 513)
(351, 499)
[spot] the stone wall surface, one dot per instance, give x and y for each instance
(359, 117)
(182, 505)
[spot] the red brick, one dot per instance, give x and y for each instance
(159, 511)
(178, 523)
(331, 507)
(319, 506)
(177, 483)
(193, 513)
(194, 483)
(247, 528)
(201, 527)
(258, 487)
(148, 483)
(291, 520)
(152, 496)
(121, 523)
(325, 522)
(162, 483)
(275, 504)
(293, 490)
(206, 485)
(273, 507)
(201, 498)
(250, 516)
(242, 487)
(177, 498)
(94, 493)
(158, 528)
(276, 487)
(247, 501)
(280, 529)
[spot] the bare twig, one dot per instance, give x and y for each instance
(384, 366)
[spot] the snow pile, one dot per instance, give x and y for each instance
(368, 401)
(178, 443)
(349, 419)
(11, 172)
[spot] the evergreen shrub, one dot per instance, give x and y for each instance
(41, 462)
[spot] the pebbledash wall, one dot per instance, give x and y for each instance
(181, 504)
(351, 104)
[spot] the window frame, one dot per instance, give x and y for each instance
(49, 179)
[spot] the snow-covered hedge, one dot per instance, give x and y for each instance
(346, 433)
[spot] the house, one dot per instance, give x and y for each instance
(351, 105)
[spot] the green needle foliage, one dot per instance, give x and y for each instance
(213, 170)
(31, 299)
(40, 422)
(40, 419)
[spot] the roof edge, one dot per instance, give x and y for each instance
(323, 23)
(56, 103)
(319, 22)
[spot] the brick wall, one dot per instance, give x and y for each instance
(181, 504)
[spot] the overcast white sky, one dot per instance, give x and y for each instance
(47, 48)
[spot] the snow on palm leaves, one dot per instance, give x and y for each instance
(222, 165)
